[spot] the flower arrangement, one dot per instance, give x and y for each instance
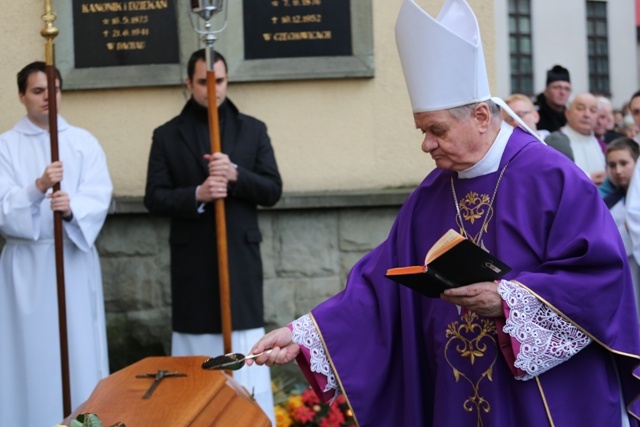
(305, 410)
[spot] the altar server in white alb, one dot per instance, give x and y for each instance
(30, 378)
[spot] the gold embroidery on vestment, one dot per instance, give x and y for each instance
(469, 340)
(474, 207)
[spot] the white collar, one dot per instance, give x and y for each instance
(27, 127)
(577, 136)
(491, 161)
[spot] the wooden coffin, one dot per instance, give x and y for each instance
(202, 398)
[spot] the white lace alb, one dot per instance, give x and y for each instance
(546, 339)
(305, 334)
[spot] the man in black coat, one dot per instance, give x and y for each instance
(552, 103)
(183, 179)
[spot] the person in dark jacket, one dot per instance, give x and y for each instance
(552, 103)
(183, 180)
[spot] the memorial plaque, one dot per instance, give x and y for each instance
(296, 28)
(122, 33)
(130, 43)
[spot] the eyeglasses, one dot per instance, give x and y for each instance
(566, 88)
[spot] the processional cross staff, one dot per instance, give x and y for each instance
(49, 32)
(206, 9)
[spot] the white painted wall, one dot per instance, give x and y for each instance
(338, 134)
(560, 37)
(623, 49)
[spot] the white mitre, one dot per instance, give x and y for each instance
(442, 58)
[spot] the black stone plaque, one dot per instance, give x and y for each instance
(131, 32)
(296, 28)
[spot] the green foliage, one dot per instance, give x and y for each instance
(86, 420)
(90, 420)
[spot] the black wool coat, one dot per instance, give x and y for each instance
(176, 167)
(550, 119)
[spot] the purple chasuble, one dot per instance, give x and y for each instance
(403, 359)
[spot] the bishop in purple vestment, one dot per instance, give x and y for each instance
(555, 343)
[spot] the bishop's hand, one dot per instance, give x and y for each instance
(283, 350)
(481, 298)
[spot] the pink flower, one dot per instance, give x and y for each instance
(303, 414)
(309, 397)
(328, 422)
(333, 418)
(336, 414)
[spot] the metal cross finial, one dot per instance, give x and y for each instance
(157, 377)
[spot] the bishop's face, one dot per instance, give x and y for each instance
(36, 98)
(453, 144)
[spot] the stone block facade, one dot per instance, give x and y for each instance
(310, 242)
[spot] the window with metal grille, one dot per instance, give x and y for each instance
(598, 47)
(520, 46)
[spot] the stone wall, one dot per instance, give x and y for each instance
(310, 242)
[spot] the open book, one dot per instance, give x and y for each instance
(451, 262)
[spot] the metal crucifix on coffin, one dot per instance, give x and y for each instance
(157, 378)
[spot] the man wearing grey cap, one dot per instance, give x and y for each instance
(554, 343)
(552, 102)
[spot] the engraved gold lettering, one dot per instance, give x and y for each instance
(112, 6)
(295, 3)
(133, 32)
(136, 32)
(142, 19)
(314, 18)
(130, 45)
(148, 5)
(301, 35)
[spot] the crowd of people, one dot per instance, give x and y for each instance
(601, 140)
(503, 353)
